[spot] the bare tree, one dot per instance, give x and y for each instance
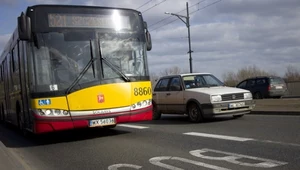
(292, 74)
(153, 78)
(231, 78)
(170, 71)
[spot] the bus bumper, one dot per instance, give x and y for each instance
(46, 125)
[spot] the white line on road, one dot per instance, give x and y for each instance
(157, 161)
(234, 138)
(133, 126)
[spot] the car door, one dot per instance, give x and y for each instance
(262, 86)
(174, 97)
(159, 94)
(251, 86)
(242, 84)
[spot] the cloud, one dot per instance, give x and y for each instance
(225, 36)
(49, 1)
(8, 2)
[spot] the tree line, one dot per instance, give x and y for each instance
(233, 78)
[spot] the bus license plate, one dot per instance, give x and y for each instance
(102, 122)
(236, 105)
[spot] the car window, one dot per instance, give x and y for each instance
(261, 81)
(250, 83)
(242, 84)
(162, 85)
(175, 84)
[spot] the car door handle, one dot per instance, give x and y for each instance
(154, 94)
(168, 94)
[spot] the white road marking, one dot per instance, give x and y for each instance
(117, 166)
(157, 161)
(236, 158)
(133, 126)
(279, 143)
(234, 138)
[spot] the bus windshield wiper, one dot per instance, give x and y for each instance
(111, 65)
(81, 74)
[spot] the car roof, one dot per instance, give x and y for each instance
(184, 74)
(263, 77)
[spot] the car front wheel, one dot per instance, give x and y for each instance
(156, 113)
(195, 113)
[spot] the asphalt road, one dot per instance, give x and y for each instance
(250, 142)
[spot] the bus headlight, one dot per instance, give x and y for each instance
(141, 104)
(52, 112)
(48, 112)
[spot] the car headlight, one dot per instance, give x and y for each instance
(141, 104)
(215, 98)
(247, 96)
(52, 112)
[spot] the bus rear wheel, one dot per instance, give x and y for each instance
(1, 115)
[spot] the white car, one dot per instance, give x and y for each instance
(200, 96)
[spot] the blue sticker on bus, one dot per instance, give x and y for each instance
(44, 102)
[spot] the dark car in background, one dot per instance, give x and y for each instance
(264, 87)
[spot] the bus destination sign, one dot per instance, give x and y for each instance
(86, 21)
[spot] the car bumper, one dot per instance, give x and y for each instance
(277, 93)
(223, 109)
(45, 125)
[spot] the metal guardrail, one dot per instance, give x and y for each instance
(293, 88)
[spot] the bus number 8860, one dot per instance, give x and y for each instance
(142, 91)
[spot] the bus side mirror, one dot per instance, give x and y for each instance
(24, 27)
(148, 37)
(148, 41)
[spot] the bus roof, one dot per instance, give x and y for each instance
(77, 6)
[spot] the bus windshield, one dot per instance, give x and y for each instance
(59, 58)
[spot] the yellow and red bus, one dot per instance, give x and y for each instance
(69, 66)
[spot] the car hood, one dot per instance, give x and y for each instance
(218, 90)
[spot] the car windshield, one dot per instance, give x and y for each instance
(201, 80)
(276, 81)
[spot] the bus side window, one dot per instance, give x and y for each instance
(44, 76)
(15, 56)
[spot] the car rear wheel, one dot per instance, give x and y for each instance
(257, 95)
(195, 113)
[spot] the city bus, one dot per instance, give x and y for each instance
(69, 66)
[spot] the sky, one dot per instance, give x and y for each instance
(226, 35)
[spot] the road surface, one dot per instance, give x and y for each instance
(250, 142)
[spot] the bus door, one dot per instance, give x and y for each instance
(6, 90)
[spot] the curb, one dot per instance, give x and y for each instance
(284, 113)
(288, 97)
(8, 161)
